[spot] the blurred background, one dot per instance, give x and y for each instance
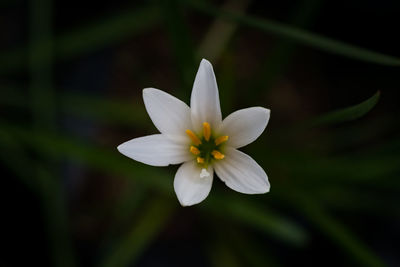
(71, 79)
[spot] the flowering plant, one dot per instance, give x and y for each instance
(201, 140)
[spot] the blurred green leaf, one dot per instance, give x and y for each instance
(331, 118)
(128, 113)
(220, 32)
(56, 217)
(221, 252)
(227, 81)
(107, 110)
(14, 156)
(181, 43)
(348, 168)
(361, 200)
(158, 179)
(354, 136)
(40, 65)
(337, 232)
(347, 114)
(277, 59)
(89, 38)
(146, 227)
(42, 103)
(335, 169)
(258, 217)
(319, 169)
(129, 202)
(297, 35)
(50, 193)
(255, 254)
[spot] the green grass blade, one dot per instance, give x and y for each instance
(336, 231)
(113, 111)
(345, 169)
(129, 203)
(100, 34)
(111, 161)
(258, 217)
(145, 229)
(220, 32)
(49, 191)
(56, 218)
(297, 35)
(361, 200)
(14, 156)
(347, 114)
(252, 252)
(89, 38)
(221, 252)
(43, 114)
(276, 61)
(40, 65)
(181, 43)
(128, 113)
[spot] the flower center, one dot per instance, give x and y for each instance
(206, 148)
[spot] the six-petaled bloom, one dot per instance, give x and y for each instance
(201, 140)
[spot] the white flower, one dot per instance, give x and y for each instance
(201, 140)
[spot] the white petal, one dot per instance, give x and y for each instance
(241, 173)
(192, 184)
(204, 102)
(155, 150)
(244, 126)
(170, 115)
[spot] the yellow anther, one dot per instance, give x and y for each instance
(194, 137)
(206, 130)
(194, 150)
(217, 154)
(221, 139)
(200, 160)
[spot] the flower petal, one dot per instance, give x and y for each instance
(241, 173)
(155, 150)
(244, 126)
(191, 187)
(204, 102)
(170, 115)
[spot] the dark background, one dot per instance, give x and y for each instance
(71, 75)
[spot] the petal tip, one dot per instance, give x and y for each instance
(148, 90)
(265, 110)
(266, 113)
(205, 61)
(185, 204)
(120, 147)
(265, 189)
(206, 64)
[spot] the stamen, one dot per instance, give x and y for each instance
(217, 154)
(200, 160)
(194, 137)
(206, 130)
(194, 150)
(221, 139)
(204, 173)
